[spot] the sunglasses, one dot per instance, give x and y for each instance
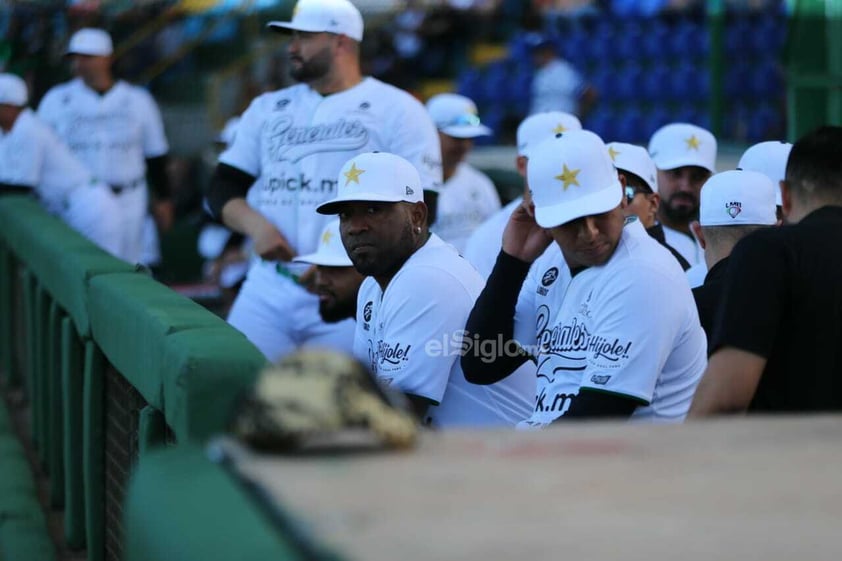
(632, 191)
(466, 119)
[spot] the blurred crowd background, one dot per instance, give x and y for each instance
(204, 60)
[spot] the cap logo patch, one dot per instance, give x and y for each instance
(409, 190)
(326, 237)
(613, 153)
(353, 174)
(734, 208)
(560, 128)
(692, 143)
(568, 177)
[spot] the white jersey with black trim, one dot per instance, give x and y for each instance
(686, 245)
(629, 327)
(466, 200)
(31, 154)
(411, 337)
(112, 133)
(295, 141)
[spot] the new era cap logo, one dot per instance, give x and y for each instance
(409, 190)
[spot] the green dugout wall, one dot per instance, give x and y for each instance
(113, 364)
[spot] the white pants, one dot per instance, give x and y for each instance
(93, 211)
(132, 205)
(278, 316)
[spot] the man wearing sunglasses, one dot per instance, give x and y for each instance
(641, 189)
(467, 197)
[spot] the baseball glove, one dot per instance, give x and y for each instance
(320, 398)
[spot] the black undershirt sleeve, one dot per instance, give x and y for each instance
(492, 319)
(594, 404)
(15, 189)
(227, 183)
(159, 180)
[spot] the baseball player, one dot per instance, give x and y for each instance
(412, 306)
(768, 158)
(335, 280)
(776, 343)
(639, 176)
(33, 159)
(291, 144)
(467, 197)
(615, 329)
(116, 130)
(484, 244)
(557, 85)
(733, 204)
(685, 156)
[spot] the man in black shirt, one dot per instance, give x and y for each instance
(733, 204)
(777, 344)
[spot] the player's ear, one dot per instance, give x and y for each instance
(418, 214)
(699, 233)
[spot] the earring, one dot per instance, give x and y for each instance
(418, 229)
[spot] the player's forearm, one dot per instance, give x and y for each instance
(729, 383)
(492, 321)
(242, 218)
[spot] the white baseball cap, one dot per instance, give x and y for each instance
(634, 159)
(456, 115)
(768, 158)
(737, 197)
(682, 144)
(376, 177)
(90, 41)
(541, 126)
(331, 252)
(12, 90)
(330, 16)
(572, 176)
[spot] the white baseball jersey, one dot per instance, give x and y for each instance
(31, 154)
(687, 246)
(296, 140)
(112, 134)
(466, 200)
(411, 337)
(628, 327)
(556, 87)
(485, 243)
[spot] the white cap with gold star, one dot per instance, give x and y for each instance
(634, 159)
(538, 127)
(375, 177)
(769, 158)
(331, 252)
(572, 176)
(682, 144)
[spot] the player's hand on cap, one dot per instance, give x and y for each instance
(270, 244)
(523, 238)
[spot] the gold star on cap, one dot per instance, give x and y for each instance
(613, 153)
(353, 174)
(568, 176)
(560, 128)
(692, 143)
(326, 237)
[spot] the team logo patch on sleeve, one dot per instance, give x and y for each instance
(600, 379)
(367, 310)
(550, 276)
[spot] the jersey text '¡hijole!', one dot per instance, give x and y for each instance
(288, 142)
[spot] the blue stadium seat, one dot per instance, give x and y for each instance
(469, 83)
(601, 121)
(654, 44)
(629, 126)
(654, 84)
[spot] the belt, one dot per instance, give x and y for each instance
(119, 188)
